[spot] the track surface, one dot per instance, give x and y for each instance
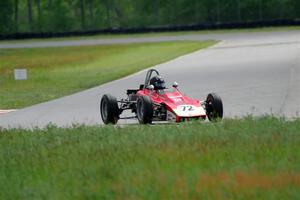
(255, 73)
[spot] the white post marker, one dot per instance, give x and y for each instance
(20, 74)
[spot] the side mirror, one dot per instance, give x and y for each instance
(175, 84)
(150, 87)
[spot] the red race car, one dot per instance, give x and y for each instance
(154, 102)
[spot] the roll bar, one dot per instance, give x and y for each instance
(148, 77)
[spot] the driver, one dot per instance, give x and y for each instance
(158, 82)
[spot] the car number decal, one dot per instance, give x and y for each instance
(186, 108)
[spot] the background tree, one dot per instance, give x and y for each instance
(6, 14)
(91, 14)
(29, 14)
(16, 15)
(39, 14)
(80, 15)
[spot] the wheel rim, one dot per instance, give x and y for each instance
(104, 109)
(210, 109)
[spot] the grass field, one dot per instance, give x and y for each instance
(155, 34)
(234, 159)
(55, 72)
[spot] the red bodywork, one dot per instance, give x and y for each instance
(179, 107)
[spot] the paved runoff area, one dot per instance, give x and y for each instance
(254, 73)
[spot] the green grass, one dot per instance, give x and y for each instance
(55, 72)
(155, 34)
(236, 159)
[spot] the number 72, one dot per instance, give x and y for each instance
(187, 108)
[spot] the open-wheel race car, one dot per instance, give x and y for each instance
(154, 102)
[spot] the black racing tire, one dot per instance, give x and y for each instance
(214, 107)
(144, 110)
(109, 109)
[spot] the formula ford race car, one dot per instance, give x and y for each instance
(154, 102)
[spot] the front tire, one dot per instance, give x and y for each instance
(144, 110)
(214, 107)
(109, 109)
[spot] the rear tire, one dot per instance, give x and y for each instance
(144, 110)
(109, 109)
(214, 107)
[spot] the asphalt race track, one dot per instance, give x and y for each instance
(254, 73)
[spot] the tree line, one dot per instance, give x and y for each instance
(18, 16)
